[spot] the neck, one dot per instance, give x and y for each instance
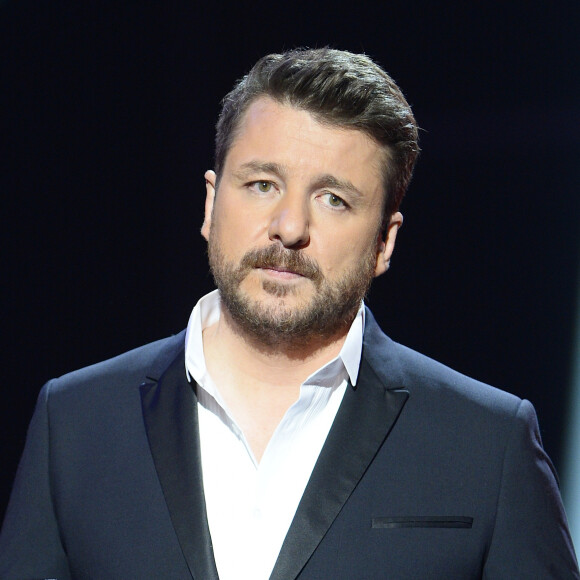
(260, 382)
(276, 363)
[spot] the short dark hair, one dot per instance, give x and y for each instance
(338, 88)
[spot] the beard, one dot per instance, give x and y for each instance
(326, 315)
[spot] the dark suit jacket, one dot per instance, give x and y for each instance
(425, 474)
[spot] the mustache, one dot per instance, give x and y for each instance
(278, 257)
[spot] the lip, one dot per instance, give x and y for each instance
(281, 273)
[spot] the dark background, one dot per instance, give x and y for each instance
(107, 113)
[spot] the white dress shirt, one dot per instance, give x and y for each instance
(250, 505)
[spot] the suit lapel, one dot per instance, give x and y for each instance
(365, 418)
(170, 414)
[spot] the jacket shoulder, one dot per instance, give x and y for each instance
(137, 365)
(401, 367)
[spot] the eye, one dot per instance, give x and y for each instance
(262, 186)
(334, 201)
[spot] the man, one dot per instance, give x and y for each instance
(284, 435)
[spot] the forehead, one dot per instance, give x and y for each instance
(270, 131)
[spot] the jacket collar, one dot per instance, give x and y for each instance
(345, 457)
(170, 413)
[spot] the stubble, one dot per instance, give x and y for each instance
(289, 324)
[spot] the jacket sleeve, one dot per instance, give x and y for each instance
(30, 545)
(530, 537)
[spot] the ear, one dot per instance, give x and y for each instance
(386, 246)
(210, 179)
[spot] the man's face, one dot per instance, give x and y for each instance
(294, 228)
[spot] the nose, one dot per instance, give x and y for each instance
(289, 223)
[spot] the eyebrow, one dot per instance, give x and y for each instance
(260, 167)
(333, 182)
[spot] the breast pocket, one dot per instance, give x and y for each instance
(422, 522)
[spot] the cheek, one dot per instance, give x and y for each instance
(344, 253)
(343, 243)
(235, 231)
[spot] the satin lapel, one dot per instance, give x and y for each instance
(170, 414)
(362, 423)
